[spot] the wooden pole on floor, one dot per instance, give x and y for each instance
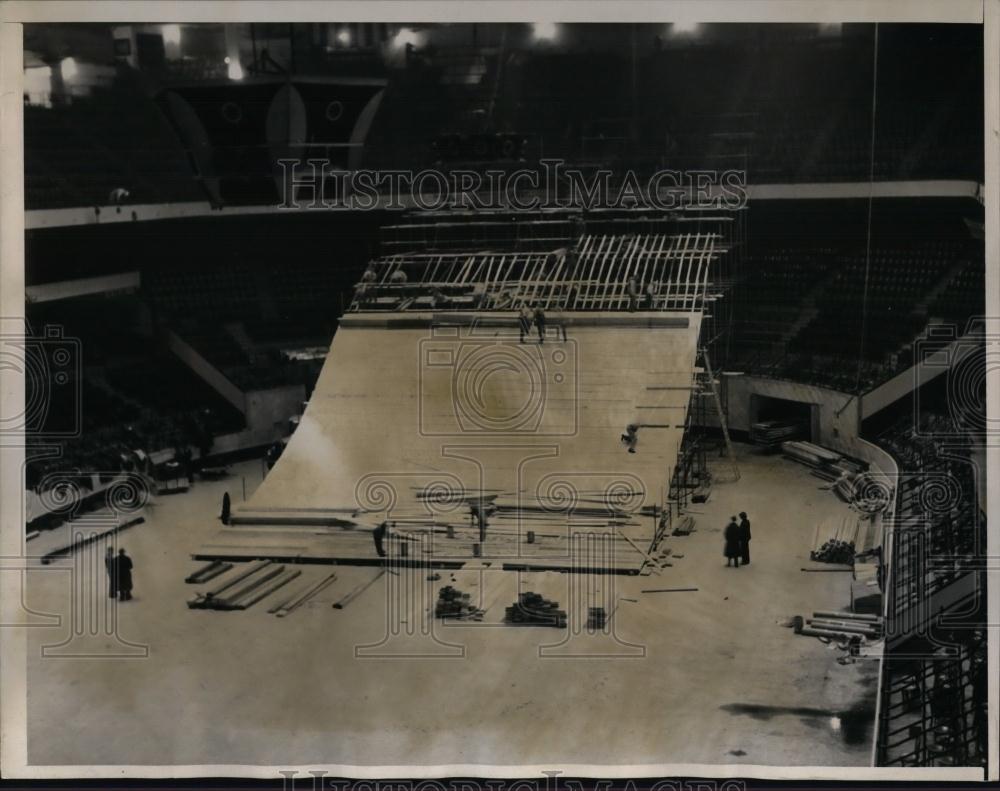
(348, 598)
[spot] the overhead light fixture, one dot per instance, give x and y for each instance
(545, 31)
(235, 70)
(171, 34)
(686, 26)
(68, 68)
(344, 37)
(405, 36)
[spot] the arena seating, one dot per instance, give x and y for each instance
(770, 301)
(964, 297)
(76, 154)
(907, 287)
(132, 394)
(797, 111)
(262, 364)
(933, 711)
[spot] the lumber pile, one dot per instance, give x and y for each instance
(809, 454)
(826, 464)
(685, 526)
(532, 609)
(839, 625)
(840, 540)
(769, 433)
(452, 603)
(834, 551)
(209, 572)
(246, 589)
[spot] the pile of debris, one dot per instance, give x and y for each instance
(596, 618)
(531, 609)
(834, 551)
(452, 603)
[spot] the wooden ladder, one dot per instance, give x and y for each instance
(722, 417)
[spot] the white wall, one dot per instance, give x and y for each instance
(835, 424)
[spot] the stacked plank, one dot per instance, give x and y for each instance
(684, 527)
(834, 551)
(839, 625)
(209, 572)
(826, 463)
(532, 609)
(809, 454)
(290, 605)
(245, 589)
(768, 433)
(838, 541)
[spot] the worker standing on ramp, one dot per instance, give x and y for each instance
(540, 323)
(631, 436)
(634, 294)
(524, 318)
(380, 534)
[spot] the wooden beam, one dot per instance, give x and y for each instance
(348, 598)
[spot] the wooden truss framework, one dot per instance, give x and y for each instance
(651, 272)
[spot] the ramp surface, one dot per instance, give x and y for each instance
(428, 421)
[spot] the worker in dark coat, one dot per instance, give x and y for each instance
(123, 566)
(744, 538)
(631, 437)
(540, 323)
(112, 569)
(226, 507)
(732, 549)
(379, 534)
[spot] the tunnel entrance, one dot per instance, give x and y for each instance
(775, 420)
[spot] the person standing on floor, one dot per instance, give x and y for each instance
(524, 318)
(744, 538)
(123, 568)
(732, 548)
(111, 568)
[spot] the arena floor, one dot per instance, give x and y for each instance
(710, 676)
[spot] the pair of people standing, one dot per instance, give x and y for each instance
(737, 537)
(526, 316)
(119, 570)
